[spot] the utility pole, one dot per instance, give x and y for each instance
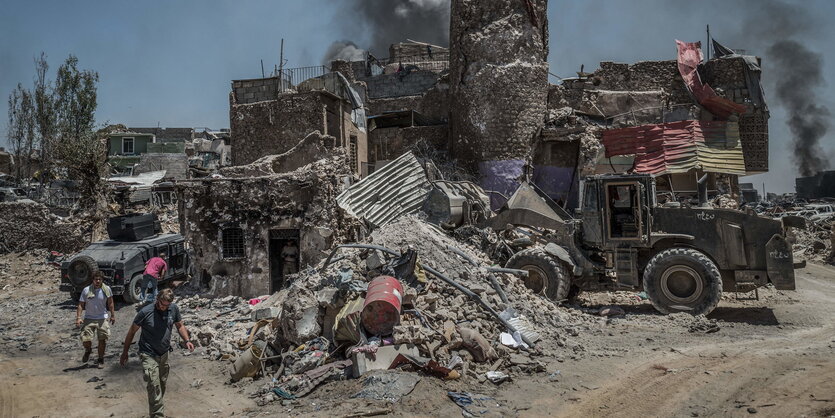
(281, 65)
(262, 70)
(707, 55)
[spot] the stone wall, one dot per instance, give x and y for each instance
(498, 86)
(498, 78)
(275, 126)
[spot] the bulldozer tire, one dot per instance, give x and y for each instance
(546, 274)
(682, 280)
(132, 293)
(81, 270)
(573, 292)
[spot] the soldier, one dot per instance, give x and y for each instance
(289, 257)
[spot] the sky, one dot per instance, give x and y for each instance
(170, 63)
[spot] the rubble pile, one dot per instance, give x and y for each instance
(320, 328)
(30, 225)
(814, 242)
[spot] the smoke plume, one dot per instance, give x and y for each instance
(799, 74)
(386, 22)
(343, 50)
(797, 71)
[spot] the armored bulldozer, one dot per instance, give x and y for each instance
(622, 239)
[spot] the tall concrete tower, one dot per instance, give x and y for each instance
(498, 85)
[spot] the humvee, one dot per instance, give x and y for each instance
(620, 238)
(134, 239)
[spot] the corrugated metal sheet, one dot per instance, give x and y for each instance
(678, 147)
(395, 190)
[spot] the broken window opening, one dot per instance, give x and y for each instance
(232, 242)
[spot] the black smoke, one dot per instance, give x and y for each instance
(799, 74)
(386, 22)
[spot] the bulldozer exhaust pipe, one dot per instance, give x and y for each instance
(702, 183)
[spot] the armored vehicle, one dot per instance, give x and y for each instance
(621, 238)
(122, 258)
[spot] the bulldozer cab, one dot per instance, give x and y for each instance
(616, 210)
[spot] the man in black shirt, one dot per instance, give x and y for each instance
(156, 322)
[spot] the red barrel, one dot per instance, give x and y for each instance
(381, 310)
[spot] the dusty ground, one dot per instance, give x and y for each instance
(775, 356)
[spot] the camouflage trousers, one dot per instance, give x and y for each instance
(155, 369)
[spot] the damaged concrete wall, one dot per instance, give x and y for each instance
(175, 165)
(499, 49)
(303, 200)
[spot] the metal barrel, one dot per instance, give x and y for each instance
(381, 310)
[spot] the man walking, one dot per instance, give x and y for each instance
(154, 271)
(96, 299)
(156, 321)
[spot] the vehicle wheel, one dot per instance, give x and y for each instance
(81, 269)
(546, 274)
(682, 280)
(133, 291)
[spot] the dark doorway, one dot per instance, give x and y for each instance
(284, 256)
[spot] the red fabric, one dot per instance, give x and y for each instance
(657, 147)
(155, 266)
(689, 57)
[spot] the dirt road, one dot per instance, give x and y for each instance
(773, 357)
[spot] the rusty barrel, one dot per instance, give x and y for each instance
(381, 310)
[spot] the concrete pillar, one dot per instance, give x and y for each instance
(498, 85)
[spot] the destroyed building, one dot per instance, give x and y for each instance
(682, 132)
(209, 150)
(239, 223)
(815, 187)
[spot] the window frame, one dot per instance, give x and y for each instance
(224, 246)
(132, 145)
